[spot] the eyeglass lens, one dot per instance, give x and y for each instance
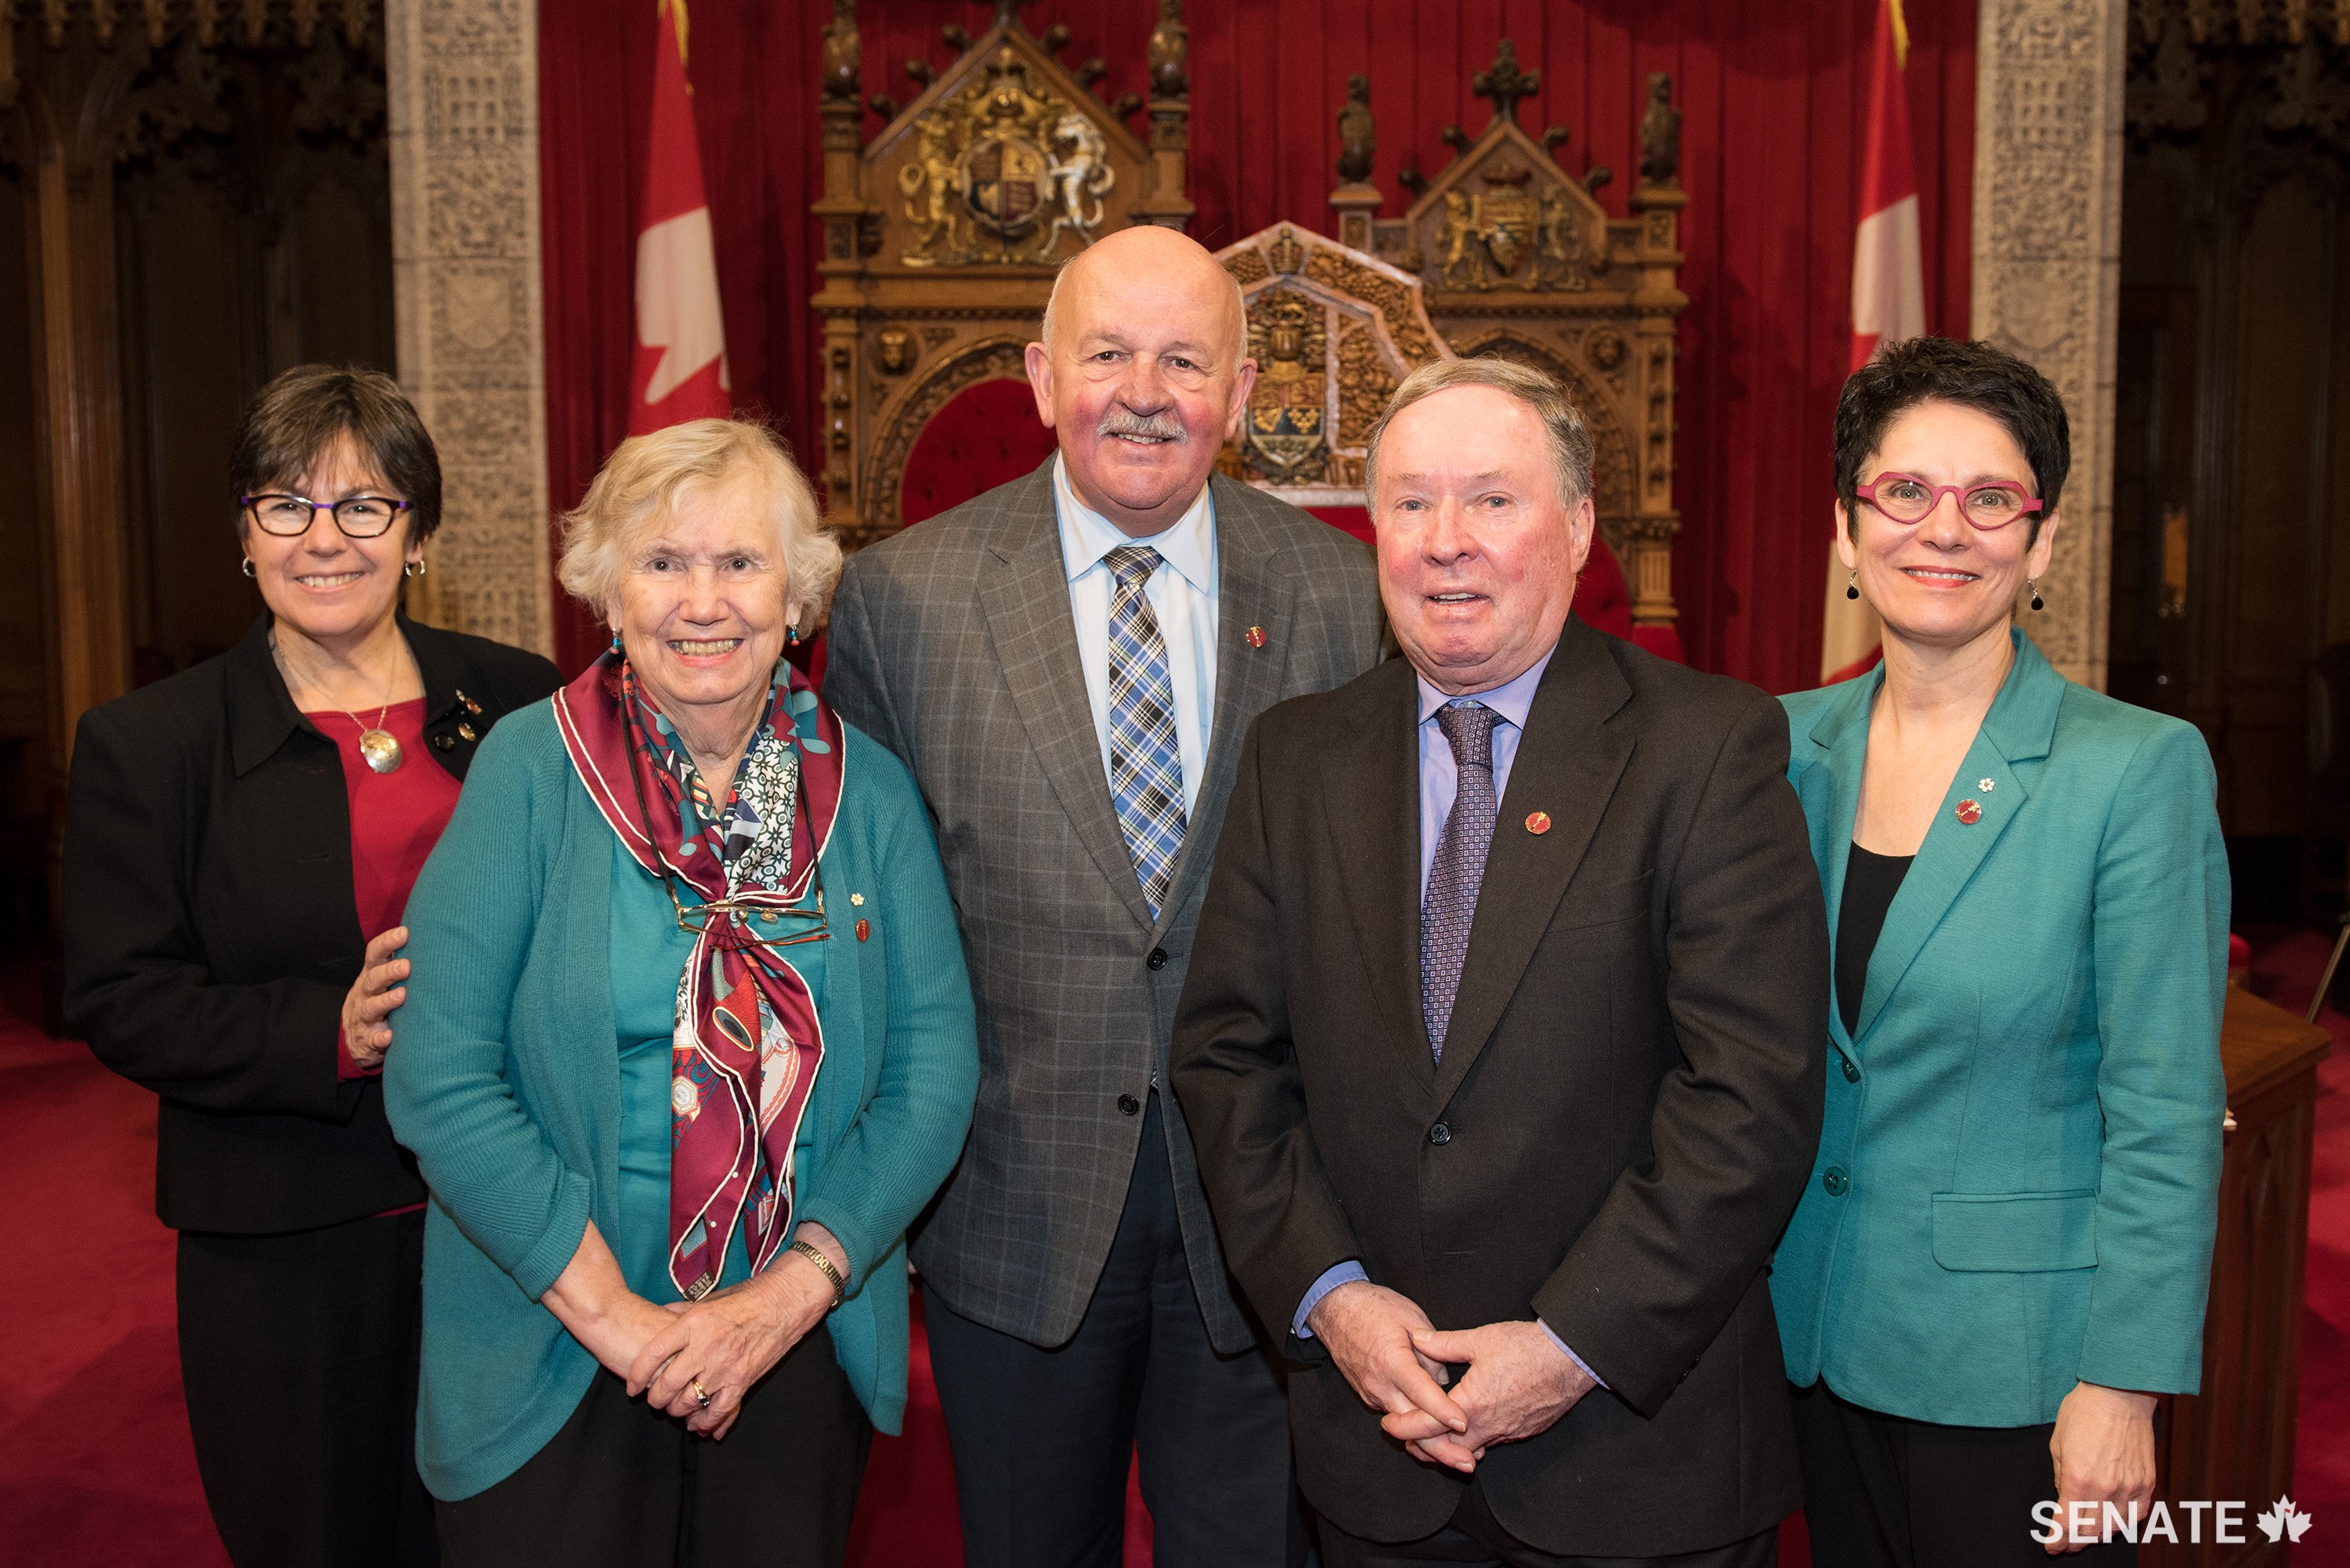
(1907, 500)
(361, 516)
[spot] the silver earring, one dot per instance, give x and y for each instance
(248, 565)
(412, 569)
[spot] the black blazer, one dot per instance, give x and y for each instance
(1624, 1118)
(211, 932)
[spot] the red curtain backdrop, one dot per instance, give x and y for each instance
(1774, 100)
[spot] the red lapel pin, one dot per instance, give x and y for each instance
(1538, 823)
(864, 929)
(1256, 638)
(1970, 811)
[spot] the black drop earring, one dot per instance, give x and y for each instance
(2037, 602)
(1852, 586)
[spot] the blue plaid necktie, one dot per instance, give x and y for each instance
(1146, 768)
(1450, 906)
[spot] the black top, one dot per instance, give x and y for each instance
(211, 930)
(1870, 880)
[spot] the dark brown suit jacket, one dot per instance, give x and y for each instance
(1626, 1111)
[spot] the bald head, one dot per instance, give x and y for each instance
(1142, 373)
(1174, 257)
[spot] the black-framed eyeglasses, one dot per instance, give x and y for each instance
(698, 918)
(289, 516)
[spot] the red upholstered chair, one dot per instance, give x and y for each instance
(987, 435)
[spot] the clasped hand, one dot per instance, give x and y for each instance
(1519, 1382)
(727, 1341)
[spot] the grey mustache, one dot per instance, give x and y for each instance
(1122, 422)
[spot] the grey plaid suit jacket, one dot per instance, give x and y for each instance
(954, 645)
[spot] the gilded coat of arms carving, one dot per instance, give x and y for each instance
(1507, 236)
(1287, 428)
(1002, 171)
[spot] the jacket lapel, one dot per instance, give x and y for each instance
(1023, 591)
(2019, 728)
(1829, 788)
(1567, 765)
(1248, 680)
(1370, 795)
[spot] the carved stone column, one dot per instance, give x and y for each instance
(2047, 267)
(464, 86)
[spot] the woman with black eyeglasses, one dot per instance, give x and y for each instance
(240, 840)
(2001, 1261)
(687, 1045)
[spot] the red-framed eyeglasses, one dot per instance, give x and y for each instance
(1906, 498)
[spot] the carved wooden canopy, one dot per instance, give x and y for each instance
(1515, 257)
(942, 235)
(1332, 331)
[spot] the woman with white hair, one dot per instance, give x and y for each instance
(688, 1044)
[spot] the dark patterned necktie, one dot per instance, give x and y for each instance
(1460, 866)
(1145, 768)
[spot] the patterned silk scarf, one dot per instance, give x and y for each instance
(748, 1044)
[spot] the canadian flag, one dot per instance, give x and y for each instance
(681, 368)
(1888, 298)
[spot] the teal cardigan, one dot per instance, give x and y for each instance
(2018, 1176)
(504, 1077)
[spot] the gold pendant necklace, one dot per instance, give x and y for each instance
(378, 747)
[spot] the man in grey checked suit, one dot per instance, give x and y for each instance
(1068, 664)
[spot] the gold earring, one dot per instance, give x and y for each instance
(1852, 584)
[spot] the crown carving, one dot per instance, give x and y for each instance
(1286, 253)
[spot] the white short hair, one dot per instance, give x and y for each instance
(646, 477)
(1571, 450)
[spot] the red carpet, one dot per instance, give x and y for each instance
(95, 1461)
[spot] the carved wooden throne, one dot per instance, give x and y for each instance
(1516, 258)
(942, 235)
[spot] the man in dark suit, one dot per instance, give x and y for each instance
(1068, 664)
(1503, 1040)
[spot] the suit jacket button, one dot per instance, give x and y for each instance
(1836, 1180)
(1157, 959)
(1440, 1135)
(1851, 1074)
(1128, 1106)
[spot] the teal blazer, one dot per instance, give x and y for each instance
(504, 1079)
(2018, 1176)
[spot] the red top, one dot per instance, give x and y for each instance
(396, 819)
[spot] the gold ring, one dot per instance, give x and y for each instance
(701, 1396)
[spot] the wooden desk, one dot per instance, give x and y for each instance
(2235, 1439)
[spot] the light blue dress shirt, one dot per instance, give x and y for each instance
(1182, 593)
(1439, 783)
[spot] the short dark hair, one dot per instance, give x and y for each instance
(302, 411)
(1945, 371)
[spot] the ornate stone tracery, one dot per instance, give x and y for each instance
(2046, 267)
(463, 93)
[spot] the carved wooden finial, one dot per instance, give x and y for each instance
(1056, 38)
(957, 37)
(1357, 139)
(1506, 84)
(1007, 12)
(919, 69)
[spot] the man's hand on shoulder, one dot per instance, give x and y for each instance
(1369, 1332)
(1519, 1383)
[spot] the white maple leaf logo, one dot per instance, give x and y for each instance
(2282, 1519)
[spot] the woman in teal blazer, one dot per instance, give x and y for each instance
(688, 1045)
(2003, 1252)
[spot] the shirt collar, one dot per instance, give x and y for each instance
(1189, 545)
(1511, 700)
